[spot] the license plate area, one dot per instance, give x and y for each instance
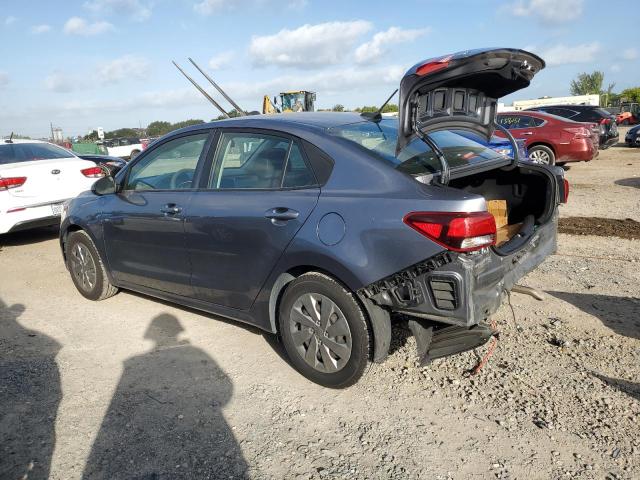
(56, 209)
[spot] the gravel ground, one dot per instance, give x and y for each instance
(136, 388)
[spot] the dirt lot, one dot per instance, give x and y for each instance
(135, 388)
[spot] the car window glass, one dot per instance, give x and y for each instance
(27, 152)
(170, 166)
(297, 173)
(249, 161)
(525, 122)
(509, 121)
(536, 121)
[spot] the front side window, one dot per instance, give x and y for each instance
(259, 161)
(27, 152)
(170, 166)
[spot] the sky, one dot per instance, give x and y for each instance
(80, 65)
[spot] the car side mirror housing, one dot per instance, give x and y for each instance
(104, 186)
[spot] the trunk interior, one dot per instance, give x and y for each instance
(520, 200)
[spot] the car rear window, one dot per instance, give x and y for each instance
(26, 152)
(416, 158)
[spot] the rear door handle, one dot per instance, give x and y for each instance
(171, 209)
(527, 133)
(281, 213)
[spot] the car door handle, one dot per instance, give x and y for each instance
(281, 213)
(527, 133)
(171, 209)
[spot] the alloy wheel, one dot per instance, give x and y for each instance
(320, 332)
(83, 267)
(540, 156)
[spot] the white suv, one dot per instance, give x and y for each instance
(35, 179)
(127, 148)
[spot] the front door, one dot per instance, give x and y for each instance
(258, 195)
(144, 222)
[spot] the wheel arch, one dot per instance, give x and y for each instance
(542, 144)
(378, 318)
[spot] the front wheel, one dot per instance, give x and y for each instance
(324, 331)
(87, 270)
(542, 155)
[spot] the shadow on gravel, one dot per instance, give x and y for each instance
(620, 314)
(27, 237)
(630, 388)
(165, 418)
(629, 182)
(29, 397)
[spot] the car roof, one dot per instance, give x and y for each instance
(310, 120)
(568, 107)
(20, 140)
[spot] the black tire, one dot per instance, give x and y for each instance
(543, 152)
(358, 334)
(79, 244)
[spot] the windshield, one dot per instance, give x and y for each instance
(293, 102)
(27, 152)
(416, 158)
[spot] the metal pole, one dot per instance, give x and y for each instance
(202, 91)
(235, 105)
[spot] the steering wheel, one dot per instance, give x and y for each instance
(177, 182)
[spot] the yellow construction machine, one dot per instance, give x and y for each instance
(293, 101)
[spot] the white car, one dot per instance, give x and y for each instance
(35, 179)
(127, 148)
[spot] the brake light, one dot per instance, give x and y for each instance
(433, 66)
(93, 172)
(460, 232)
(605, 121)
(11, 182)
(565, 193)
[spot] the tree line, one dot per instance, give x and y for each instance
(593, 84)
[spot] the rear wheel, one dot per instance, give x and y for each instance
(324, 331)
(542, 155)
(87, 270)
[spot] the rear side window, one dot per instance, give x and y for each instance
(259, 161)
(27, 152)
(515, 121)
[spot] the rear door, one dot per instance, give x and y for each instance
(259, 192)
(51, 173)
(522, 127)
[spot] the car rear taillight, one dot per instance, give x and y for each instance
(565, 193)
(460, 232)
(605, 121)
(93, 172)
(579, 132)
(433, 66)
(11, 182)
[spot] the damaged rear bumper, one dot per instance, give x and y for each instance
(461, 289)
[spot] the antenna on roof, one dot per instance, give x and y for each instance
(240, 111)
(377, 115)
(202, 91)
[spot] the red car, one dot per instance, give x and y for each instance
(551, 139)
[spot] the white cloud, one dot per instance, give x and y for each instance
(615, 67)
(38, 29)
(630, 54)
(564, 55)
(309, 46)
(207, 7)
(127, 66)
(221, 60)
(60, 82)
(4, 79)
(134, 9)
(549, 11)
(79, 26)
(372, 51)
(9, 20)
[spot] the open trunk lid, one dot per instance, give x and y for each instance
(460, 91)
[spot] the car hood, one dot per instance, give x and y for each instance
(634, 130)
(460, 91)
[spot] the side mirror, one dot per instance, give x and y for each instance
(104, 186)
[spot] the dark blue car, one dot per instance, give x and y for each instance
(323, 227)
